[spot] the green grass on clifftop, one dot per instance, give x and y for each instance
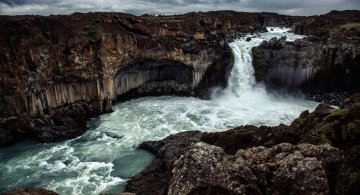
(90, 32)
(350, 26)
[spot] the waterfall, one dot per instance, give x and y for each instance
(242, 75)
(242, 78)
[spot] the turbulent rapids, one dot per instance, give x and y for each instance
(104, 157)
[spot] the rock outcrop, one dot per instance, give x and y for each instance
(155, 178)
(281, 169)
(318, 153)
(57, 71)
(307, 66)
(325, 62)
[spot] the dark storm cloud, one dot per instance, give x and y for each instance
(193, 1)
(279, 4)
(138, 7)
(22, 2)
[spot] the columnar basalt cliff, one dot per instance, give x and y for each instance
(57, 71)
(324, 62)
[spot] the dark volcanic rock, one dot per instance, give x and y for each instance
(315, 69)
(335, 26)
(334, 98)
(251, 159)
(29, 191)
(324, 63)
(155, 178)
(248, 136)
(281, 169)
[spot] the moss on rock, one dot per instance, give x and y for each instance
(90, 32)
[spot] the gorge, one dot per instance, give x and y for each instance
(102, 159)
(52, 89)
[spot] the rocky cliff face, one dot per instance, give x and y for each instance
(324, 62)
(317, 154)
(311, 67)
(57, 71)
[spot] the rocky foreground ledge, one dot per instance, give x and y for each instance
(317, 154)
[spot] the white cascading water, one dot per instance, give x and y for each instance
(242, 75)
(101, 160)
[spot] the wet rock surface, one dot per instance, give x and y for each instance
(317, 153)
(335, 98)
(155, 178)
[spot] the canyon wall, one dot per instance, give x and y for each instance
(311, 67)
(326, 61)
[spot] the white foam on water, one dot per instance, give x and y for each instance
(100, 159)
(93, 178)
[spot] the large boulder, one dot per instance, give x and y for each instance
(281, 169)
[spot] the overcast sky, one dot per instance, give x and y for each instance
(139, 7)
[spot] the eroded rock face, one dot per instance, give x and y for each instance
(324, 65)
(308, 66)
(281, 169)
